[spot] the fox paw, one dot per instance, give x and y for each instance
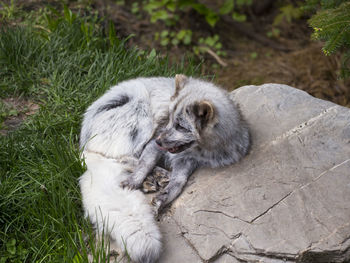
(159, 201)
(130, 183)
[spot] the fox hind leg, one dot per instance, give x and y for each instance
(147, 162)
(158, 179)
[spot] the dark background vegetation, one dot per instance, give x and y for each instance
(241, 42)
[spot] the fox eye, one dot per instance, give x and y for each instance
(180, 128)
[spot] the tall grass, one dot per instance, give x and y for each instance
(63, 65)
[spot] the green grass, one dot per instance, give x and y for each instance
(63, 65)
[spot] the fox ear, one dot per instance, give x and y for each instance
(180, 82)
(204, 112)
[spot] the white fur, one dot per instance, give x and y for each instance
(123, 214)
(119, 125)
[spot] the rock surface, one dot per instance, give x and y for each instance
(287, 201)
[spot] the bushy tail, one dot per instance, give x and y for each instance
(138, 233)
(123, 214)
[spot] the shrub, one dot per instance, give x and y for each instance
(331, 24)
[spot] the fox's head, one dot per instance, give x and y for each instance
(192, 116)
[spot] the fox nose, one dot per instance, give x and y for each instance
(158, 141)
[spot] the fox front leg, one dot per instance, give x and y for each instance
(182, 169)
(147, 162)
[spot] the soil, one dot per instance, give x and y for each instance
(21, 108)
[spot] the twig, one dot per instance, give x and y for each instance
(215, 56)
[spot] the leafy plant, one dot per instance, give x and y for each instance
(212, 46)
(165, 37)
(135, 8)
(170, 11)
(15, 253)
(211, 42)
(166, 10)
(233, 7)
(162, 10)
(288, 13)
(8, 10)
(332, 25)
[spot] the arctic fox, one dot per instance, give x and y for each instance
(179, 123)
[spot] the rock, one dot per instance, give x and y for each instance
(287, 201)
(177, 248)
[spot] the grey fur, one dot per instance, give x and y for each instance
(222, 139)
(149, 118)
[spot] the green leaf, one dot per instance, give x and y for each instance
(227, 7)
(164, 33)
(218, 46)
(208, 41)
(22, 252)
(288, 12)
(181, 34)
(11, 246)
(152, 5)
(156, 36)
(152, 54)
(175, 41)
(135, 8)
(212, 19)
(164, 41)
(239, 17)
(12, 242)
(188, 38)
(171, 6)
(222, 53)
(195, 50)
(159, 15)
(253, 55)
(278, 19)
(200, 8)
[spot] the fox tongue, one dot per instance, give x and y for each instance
(173, 149)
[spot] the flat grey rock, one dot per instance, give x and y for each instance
(287, 201)
(176, 246)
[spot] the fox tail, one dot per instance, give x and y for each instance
(123, 214)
